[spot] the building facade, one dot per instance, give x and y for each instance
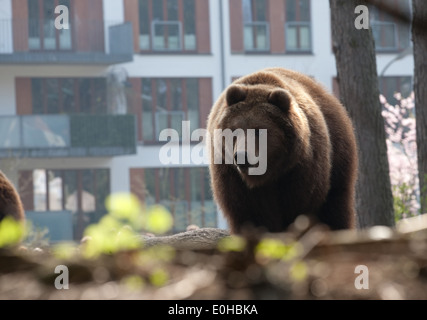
(83, 107)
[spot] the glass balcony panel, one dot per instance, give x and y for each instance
(35, 136)
(10, 132)
(46, 131)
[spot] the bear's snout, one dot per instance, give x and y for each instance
(241, 159)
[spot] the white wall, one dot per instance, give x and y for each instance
(403, 67)
(171, 66)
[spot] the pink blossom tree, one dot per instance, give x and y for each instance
(402, 154)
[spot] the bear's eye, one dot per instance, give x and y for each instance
(280, 98)
(235, 94)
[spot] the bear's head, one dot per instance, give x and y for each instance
(264, 130)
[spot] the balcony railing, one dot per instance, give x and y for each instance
(85, 42)
(39, 136)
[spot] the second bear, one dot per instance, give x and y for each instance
(10, 202)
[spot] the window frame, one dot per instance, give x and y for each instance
(298, 22)
(27, 191)
(378, 18)
(186, 175)
(166, 23)
(181, 22)
(168, 109)
(77, 95)
(253, 23)
(40, 25)
(78, 174)
(255, 48)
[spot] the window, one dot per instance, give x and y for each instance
(168, 102)
(83, 192)
(389, 86)
(256, 30)
(74, 190)
(167, 25)
(185, 192)
(389, 34)
(270, 26)
(298, 26)
(69, 95)
(41, 26)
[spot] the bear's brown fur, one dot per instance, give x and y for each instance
(311, 153)
(10, 202)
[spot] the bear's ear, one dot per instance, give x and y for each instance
(235, 94)
(280, 98)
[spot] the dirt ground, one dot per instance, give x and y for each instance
(308, 262)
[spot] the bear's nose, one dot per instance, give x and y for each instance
(241, 159)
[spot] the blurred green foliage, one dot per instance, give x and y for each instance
(11, 232)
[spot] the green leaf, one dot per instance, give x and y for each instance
(158, 220)
(11, 232)
(276, 249)
(299, 271)
(127, 239)
(232, 243)
(159, 277)
(100, 240)
(124, 206)
(133, 282)
(64, 250)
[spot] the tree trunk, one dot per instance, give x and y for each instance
(358, 85)
(419, 37)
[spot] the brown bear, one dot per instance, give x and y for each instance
(10, 202)
(309, 149)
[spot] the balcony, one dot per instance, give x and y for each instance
(42, 136)
(85, 42)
